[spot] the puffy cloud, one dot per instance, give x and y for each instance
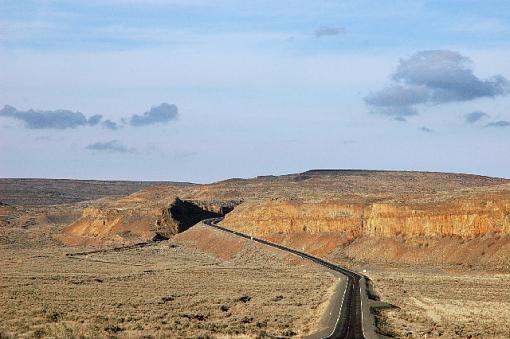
(111, 125)
(58, 119)
(433, 77)
(396, 101)
(95, 119)
(473, 117)
(63, 119)
(448, 77)
(328, 31)
(500, 123)
(157, 114)
(113, 146)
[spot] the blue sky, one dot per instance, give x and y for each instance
(206, 90)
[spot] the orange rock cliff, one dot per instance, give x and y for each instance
(464, 216)
(324, 212)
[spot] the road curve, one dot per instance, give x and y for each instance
(349, 318)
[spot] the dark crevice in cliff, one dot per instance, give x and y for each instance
(187, 213)
(183, 214)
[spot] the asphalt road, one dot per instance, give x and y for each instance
(348, 318)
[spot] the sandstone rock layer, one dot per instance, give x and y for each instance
(466, 216)
(373, 216)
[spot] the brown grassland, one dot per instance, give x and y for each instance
(443, 302)
(169, 289)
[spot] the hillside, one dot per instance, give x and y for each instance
(414, 214)
(410, 217)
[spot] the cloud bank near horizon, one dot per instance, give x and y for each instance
(112, 146)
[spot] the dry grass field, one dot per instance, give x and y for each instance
(163, 290)
(444, 303)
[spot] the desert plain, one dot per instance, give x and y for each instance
(133, 260)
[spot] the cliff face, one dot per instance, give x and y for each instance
(294, 216)
(106, 225)
(372, 216)
(126, 219)
(139, 220)
(469, 229)
(466, 216)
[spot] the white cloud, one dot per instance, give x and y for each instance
(433, 77)
(112, 146)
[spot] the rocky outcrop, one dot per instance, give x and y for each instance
(465, 216)
(468, 217)
(181, 215)
(139, 220)
(467, 228)
(407, 216)
(99, 225)
(281, 216)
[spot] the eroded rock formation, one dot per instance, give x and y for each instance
(368, 215)
(155, 214)
(466, 215)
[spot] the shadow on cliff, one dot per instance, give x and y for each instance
(183, 214)
(186, 214)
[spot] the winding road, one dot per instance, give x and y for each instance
(347, 320)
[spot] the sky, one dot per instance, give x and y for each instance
(200, 91)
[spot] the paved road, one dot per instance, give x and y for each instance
(348, 316)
